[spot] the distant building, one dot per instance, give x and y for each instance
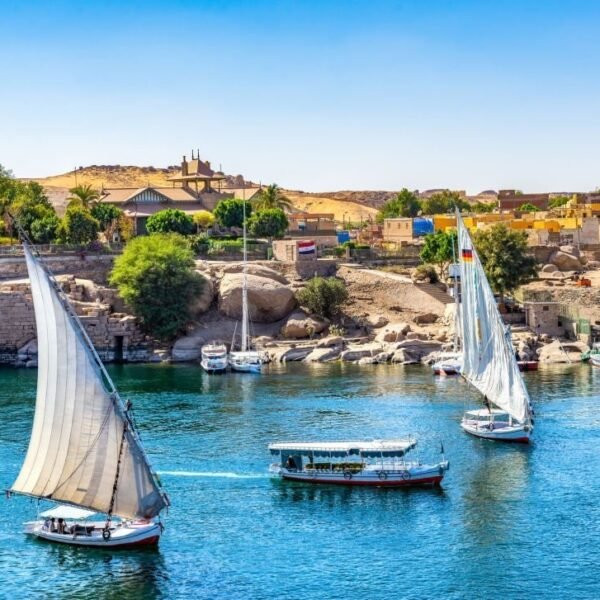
(196, 191)
(303, 224)
(512, 199)
(398, 230)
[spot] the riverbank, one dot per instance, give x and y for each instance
(387, 318)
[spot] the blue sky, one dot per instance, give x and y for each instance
(314, 95)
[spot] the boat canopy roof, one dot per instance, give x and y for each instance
(372, 448)
(67, 512)
(484, 412)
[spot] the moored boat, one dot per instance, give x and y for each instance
(528, 365)
(378, 463)
(214, 358)
(84, 452)
(489, 362)
(448, 364)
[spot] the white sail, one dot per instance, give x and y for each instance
(78, 444)
(489, 362)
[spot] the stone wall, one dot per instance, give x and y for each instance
(116, 336)
(94, 267)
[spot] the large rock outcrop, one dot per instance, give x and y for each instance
(565, 261)
(299, 325)
(394, 332)
(562, 352)
(202, 303)
(268, 300)
(258, 270)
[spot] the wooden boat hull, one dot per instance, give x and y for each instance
(122, 537)
(516, 433)
(425, 475)
(528, 365)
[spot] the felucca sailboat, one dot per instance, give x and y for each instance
(84, 452)
(489, 362)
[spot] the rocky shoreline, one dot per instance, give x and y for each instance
(389, 318)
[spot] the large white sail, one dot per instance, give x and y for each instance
(489, 362)
(78, 444)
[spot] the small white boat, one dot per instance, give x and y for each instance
(495, 424)
(595, 360)
(448, 364)
(84, 451)
(378, 463)
(249, 361)
(70, 525)
(489, 362)
(214, 358)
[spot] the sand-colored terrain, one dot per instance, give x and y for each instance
(342, 209)
(57, 187)
(111, 176)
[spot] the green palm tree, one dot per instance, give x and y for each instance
(272, 197)
(85, 194)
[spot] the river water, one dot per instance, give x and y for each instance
(511, 521)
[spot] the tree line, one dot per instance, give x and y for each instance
(408, 204)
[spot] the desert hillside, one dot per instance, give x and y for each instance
(346, 206)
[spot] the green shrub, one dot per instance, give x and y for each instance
(323, 296)
(78, 226)
(155, 276)
(170, 220)
(225, 246)
(423, 272)
(199, 243)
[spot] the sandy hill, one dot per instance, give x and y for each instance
(346, 206)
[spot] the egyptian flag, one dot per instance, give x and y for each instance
(308, 247)
(467, 254)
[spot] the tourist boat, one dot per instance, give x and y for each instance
(214, 358)
(489, 362)
(378, 463)
(84, 452)
(246, 359)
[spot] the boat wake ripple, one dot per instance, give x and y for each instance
(223, 474)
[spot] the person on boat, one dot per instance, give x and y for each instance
(291, 465)
(61, 526)
(487, 404)
(53, 525)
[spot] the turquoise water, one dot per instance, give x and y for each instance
(511, 521)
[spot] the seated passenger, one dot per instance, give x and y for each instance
(291, 464)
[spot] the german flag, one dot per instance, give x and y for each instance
(467, 255)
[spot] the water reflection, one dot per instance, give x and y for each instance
(497, 480)
(100, 574)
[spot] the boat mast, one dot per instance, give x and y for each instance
(244, 345)
(456, 306)
(120, 407)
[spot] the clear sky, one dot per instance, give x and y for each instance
(313, 95)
